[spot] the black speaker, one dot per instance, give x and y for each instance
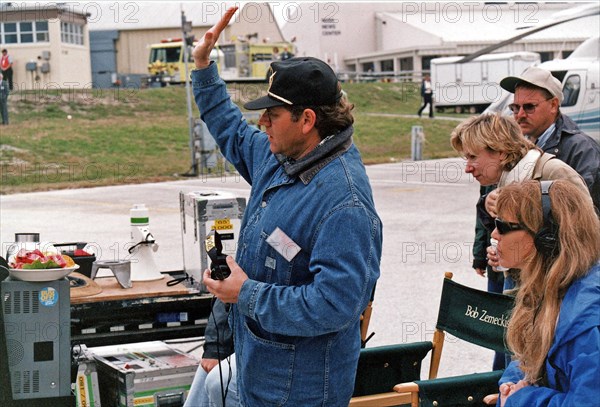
(546, 239)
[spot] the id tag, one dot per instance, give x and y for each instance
(283, 244)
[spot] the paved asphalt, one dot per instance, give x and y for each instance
(428, 212)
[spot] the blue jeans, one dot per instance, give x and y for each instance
(206, 387)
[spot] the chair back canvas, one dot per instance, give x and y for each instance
(475, 316)
(382, 367)
(459, 391)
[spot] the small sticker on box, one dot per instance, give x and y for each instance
(117, 328)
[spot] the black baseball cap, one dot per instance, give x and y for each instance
(303, 81)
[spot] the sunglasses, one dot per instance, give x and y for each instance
(506, 227)
(528, 108)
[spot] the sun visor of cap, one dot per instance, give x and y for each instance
(263, 103)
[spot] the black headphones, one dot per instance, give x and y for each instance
(546, 239)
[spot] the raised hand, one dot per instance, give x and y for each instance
(201, 52)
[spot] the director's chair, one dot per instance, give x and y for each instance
(390, 375)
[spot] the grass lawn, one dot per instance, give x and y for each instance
(121, 136)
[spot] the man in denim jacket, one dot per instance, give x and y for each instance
(310, 245)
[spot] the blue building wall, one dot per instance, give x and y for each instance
(103, 53)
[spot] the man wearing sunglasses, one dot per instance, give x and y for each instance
(536, 108)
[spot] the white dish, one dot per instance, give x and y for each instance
(41, 274)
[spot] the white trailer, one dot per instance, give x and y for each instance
(472, 86)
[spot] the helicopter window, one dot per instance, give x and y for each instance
(560, 75)
(571, 90)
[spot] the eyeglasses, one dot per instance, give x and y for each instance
(528, 108)
(506, 227)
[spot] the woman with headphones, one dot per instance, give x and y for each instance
(550, 231)
(497, 154)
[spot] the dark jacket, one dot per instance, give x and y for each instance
(218, 341)
(482, 241)
(569, 144)
(4, 90)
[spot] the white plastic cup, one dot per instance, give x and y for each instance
(494, 244)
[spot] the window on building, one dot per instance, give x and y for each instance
(426, 62)
(571, 90)
(9, 33)
(368, 67)
(406, 64)
(24, 32)
(41, 31)
(387, 65)
(546, 56)
(71, 33)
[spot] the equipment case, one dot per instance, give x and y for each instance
(144, 374)
(201, 212)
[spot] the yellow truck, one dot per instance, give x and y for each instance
(239, 61)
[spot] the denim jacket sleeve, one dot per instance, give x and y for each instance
(244, 146)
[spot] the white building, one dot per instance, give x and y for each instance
(53, 40)
(50, 41)
(49, 45)
(404, 36)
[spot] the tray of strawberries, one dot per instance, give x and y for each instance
(34, 265)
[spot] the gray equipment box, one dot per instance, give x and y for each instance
(201, 212)
(37, 318)
(144, 374)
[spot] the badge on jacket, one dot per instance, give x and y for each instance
(283, 244)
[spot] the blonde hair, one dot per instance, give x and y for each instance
(544, 283)
(492, 132)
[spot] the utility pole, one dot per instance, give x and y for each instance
(186, 28)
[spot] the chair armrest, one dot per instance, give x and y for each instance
(410, 387)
